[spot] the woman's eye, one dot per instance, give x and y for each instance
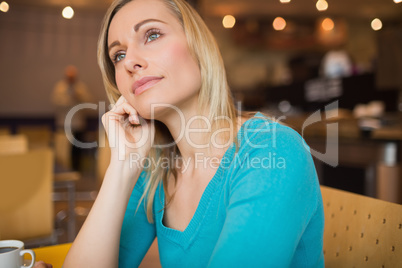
(118, 57)
(152, 37)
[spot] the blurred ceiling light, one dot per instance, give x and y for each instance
(322, 5)
(228, 21)
(279, 24)
(4, 6)
(68, 12)
(288, 1)
(397, 1)
(327, 24)
(376, 24)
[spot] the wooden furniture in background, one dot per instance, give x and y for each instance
(62, 150)
(67, 180)
(361, 231)
(376, 153)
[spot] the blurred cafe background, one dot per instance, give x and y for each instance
(330, 69)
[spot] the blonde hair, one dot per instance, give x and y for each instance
(214, 93)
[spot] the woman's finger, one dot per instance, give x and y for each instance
(42, 264)
(127, 109)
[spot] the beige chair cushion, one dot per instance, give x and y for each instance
(38, 136)
(26, 185)
(13, 144)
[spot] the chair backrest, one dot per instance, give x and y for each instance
(38, 136)
(13, 144)
(5, 130)
(361, 231)
(26, 183)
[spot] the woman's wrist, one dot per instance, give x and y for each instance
(125, 165)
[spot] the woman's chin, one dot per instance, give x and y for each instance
(158, 111)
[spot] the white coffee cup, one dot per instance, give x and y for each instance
(12, 254)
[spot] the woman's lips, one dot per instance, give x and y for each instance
(145, 83)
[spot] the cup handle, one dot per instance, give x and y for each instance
(30, 252)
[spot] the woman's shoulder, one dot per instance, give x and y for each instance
(272, 155)
(260, 129)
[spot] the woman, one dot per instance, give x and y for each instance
(217, 189)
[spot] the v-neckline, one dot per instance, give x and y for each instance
(204, 200)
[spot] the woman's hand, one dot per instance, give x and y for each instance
(41, 264)
(127, 132)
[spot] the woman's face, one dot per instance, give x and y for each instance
(152, 60)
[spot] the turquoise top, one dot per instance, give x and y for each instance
(262, 208)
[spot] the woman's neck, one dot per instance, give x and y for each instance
(191, 131)
(197, 141)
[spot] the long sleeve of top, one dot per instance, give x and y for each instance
(263, 208)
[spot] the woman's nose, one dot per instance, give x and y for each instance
(134, 62)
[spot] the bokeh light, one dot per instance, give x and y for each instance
(228, 21)
(327, 24)
(4, 7)
(376, 24)
(321, 5)
(68, 12)
(279, 23)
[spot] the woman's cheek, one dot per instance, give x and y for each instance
(190, 79)
(119, 84)
(117, 78)
(178, 52)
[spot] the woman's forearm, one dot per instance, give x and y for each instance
(97, 244)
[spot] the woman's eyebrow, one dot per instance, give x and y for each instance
(115, 43)
(136, 28)
(141, 23)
